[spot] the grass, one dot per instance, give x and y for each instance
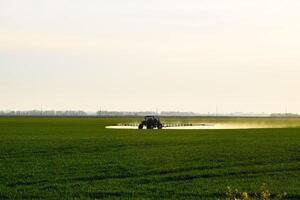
(67, 158)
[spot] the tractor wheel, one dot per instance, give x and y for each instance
(141, 126)
(159, 126)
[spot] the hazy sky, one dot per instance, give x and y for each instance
(190, 55)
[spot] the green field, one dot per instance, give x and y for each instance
(67, 158)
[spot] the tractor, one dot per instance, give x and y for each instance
(151, 122)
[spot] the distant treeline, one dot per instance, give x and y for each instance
(284, 115)
(124, 113)
(43, 113)
(141, 113)
(98, 113)
(176, 113)
(145, 113)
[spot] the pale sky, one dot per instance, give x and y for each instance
(192, 55)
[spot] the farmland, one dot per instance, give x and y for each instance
(67, 158)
